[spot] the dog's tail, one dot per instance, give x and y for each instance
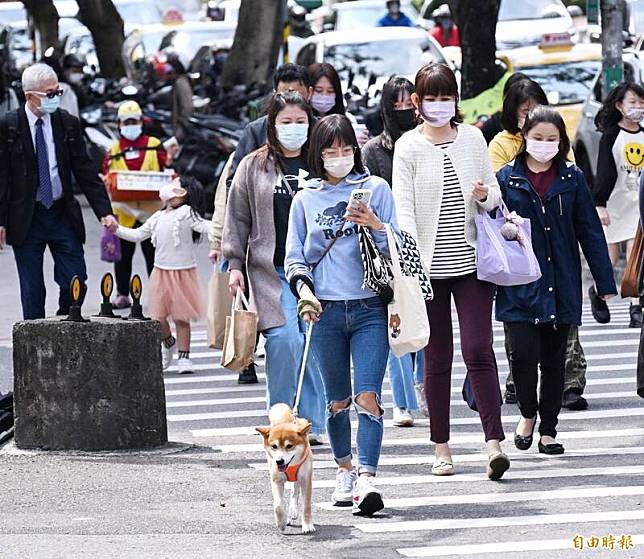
(280, 413)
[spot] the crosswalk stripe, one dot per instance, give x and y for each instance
(510, 475)
(573, 416)
(456, 439)
(329, 464)
(497, 547)
(499, 521)
(388, 405)
(514, 497)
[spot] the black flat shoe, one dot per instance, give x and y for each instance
(524, 443)
(248, 375)
(599, 308)
(574, 401)
(635, 312)
(552, 448)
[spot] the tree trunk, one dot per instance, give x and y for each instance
(258, 38)
(106, 25)
(45, 18)
(476, 20)
(612, 20)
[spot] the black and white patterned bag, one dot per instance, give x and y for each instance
(377, 267)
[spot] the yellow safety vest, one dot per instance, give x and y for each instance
(118, 163)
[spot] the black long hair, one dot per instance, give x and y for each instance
(609, 115)
(544, 113)
(320, 70)
(518, 93)
(390, 95)
(195, 200)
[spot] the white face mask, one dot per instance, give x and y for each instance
(541, 150)
(339, 167)
(292, 136)
(438, 113)
(75, 78)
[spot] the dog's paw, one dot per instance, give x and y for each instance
(308, 528)
(280, 518)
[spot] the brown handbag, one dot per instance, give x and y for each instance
(632, 273)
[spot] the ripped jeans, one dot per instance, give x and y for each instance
(353, 331)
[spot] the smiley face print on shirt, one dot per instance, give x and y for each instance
(633, 156)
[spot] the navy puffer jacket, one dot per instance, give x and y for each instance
(565, 219)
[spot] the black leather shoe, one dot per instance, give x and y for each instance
(553, 448)
(248, 375)
(574, 401)
(524, 443)
(599, 308)
(510, 396)
(636, 316)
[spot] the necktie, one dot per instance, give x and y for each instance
(45, 192)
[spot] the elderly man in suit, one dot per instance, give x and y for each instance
(41, 147)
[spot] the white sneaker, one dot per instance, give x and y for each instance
(422, 402)
(403, 417)
(184, 366)
(166, 354)
(344, 482)
(366, 498)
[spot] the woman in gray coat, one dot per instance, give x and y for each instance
(254, 237)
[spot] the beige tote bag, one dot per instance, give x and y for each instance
(219, 302)
(241, 335)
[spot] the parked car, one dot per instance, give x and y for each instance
(358, 14)
(586, 143)
(565, 72)
(520, 23)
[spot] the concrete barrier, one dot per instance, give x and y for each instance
(96, 385)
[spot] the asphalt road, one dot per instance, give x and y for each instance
(209, 495)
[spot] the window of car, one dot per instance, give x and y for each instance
(402, 57)
(565, 83)
(530, 9)
(140, 13)
(366, 15)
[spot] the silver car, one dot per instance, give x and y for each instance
(587, 137)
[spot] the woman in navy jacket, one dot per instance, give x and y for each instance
(552, 192)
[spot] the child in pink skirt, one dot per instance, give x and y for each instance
(174, 283)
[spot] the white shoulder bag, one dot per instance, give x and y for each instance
(408, 326)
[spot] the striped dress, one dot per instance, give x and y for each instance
(453, 256)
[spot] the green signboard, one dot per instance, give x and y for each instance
(613, 76)
(592, 11)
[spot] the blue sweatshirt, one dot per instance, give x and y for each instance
(316, 216)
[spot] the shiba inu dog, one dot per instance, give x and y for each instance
(289, 459)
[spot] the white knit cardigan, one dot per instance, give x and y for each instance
(417, 184)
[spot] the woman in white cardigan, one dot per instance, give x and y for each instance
(442, 177)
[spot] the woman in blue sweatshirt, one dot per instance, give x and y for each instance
(324, 267)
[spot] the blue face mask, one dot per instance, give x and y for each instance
(48, 105)
(131, 131)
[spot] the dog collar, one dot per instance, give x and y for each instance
(291, 471)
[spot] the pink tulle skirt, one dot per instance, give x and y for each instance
(176, 294)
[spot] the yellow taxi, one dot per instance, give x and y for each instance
(564, 70)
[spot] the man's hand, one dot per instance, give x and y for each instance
(3, 237)
(236, 282)
(110, 223)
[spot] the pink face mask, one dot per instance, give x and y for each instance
(438, 113)
(541, 150)
(323, 102)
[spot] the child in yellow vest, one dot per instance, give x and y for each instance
(133, 151)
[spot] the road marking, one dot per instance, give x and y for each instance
(434, 524)
(514, 497)
(462, 438)
(569, 416)
(510, 475)
(471, 458)
(387, 405)
(470, 550)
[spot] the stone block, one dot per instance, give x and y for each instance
(96, 385)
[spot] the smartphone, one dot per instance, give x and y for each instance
(359, 195)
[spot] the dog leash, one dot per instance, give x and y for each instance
(305, 356)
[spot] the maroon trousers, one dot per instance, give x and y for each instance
(473, 300)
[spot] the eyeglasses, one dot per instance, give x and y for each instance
(345, 151)
(49, 94)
